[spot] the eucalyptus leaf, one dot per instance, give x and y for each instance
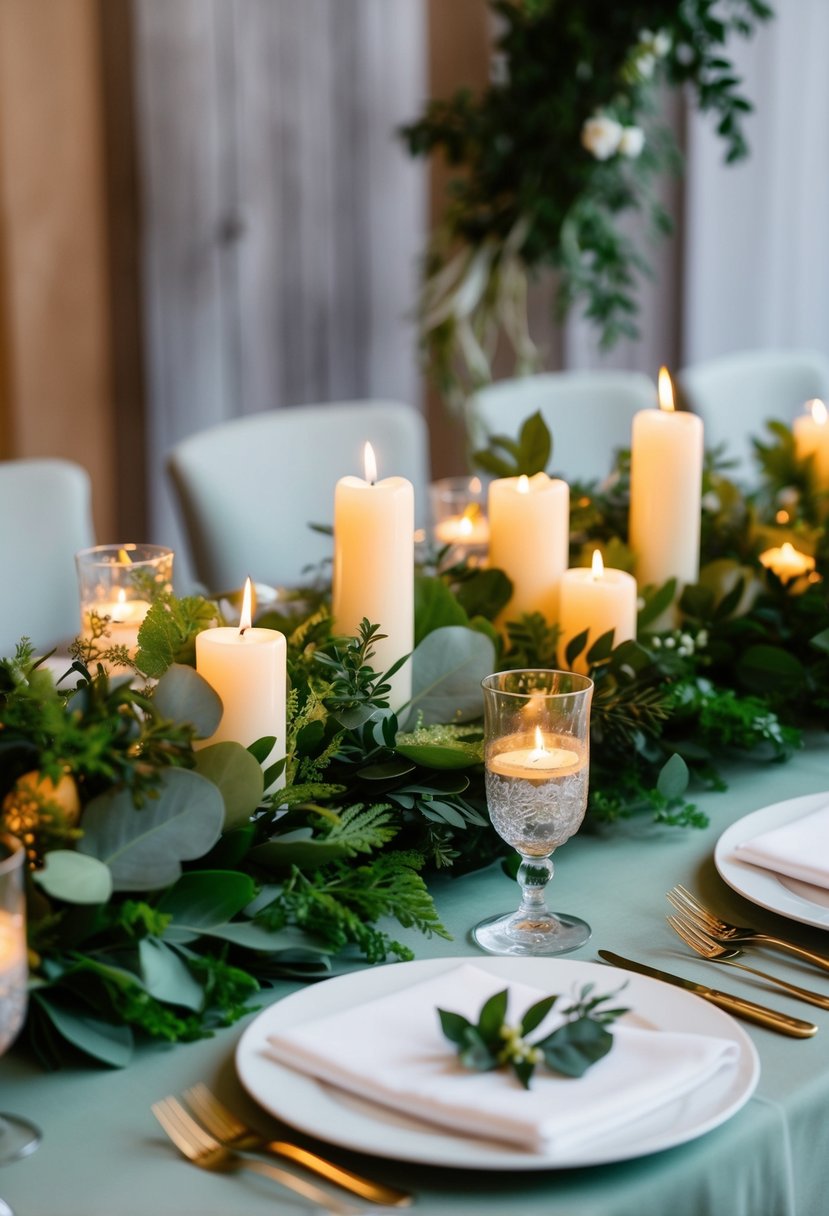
(144, 846)
(182, 695)
(111, 1044)
(447, 669)
(74, 877)
(238, 776)
(167, 977)
(673, 778)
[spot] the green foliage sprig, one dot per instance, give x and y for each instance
(570, 1049)
(536, 186)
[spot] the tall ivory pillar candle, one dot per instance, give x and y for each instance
(811, 438)
(596, 599)
(666, 491)
(247, 668)
(374, 567)
(529, 539)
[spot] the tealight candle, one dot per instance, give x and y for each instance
(374, 567)
(467, 530)
(529, 536)
(545, 760)
(666, 491)
(115, 581)
(247, 668)
(596, 599)
(787, 562)
(811, 438)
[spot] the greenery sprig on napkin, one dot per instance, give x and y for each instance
(571, 1049)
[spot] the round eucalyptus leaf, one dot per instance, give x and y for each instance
(447, 669)
(184, 696)
(238, 776)
(74, 877)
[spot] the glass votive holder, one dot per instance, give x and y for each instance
(117, 585)
(458, 513)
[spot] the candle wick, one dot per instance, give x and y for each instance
(242, 629)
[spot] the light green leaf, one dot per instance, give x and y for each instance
(672, 781)
(144, 846)
(74, 877)
(167, 977)
(447, 669)
(439, 756)
(238, 776)
(182, 695)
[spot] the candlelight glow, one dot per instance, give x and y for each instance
(122, 595)
(370, 464)
(465, 525)
(475, 485)
(597, 565)
(523, 486)
(538, 751)
(818, 411)
(246, 616)
(787, 562)
(665, 390)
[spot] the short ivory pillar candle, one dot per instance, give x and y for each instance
(529, 539)
(666, 491)
(374, 567)
(596, 599)
(811, 438)
(248, 669)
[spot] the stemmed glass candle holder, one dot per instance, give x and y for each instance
(117, 584)
(17, 1136)
(537, 755)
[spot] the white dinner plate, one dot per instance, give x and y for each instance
(340, 1118)
(788, 896)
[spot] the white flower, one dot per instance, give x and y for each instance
(632, 142)
(661, 44)
(645, 64)
(601, 136)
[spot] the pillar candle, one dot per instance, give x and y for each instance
(247, 668)
(374, 567)
(665, 491)
(529, 539)
(811, 438)
(596, 599)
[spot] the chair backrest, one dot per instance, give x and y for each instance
(588, 413)
(737, 394)
(248, 489)
(45, 518)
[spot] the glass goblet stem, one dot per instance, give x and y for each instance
(533, 915)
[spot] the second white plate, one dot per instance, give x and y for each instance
(332, 1115)
(788, 896)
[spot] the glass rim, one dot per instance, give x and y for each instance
(99, 552)
(583, 683)
(16, 853)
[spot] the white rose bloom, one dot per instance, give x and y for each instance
(631, 142)
(601, 136)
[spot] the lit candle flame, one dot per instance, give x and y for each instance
(246, 616)
(818, 411)
(370, 464)
(523, 486)
(122, 595)
(465, 526)
(665, 390)
(539, 751)
(597, 565)
(475, 485)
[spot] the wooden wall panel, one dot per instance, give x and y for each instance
(282, 218)
(53, 250)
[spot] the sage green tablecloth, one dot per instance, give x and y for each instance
(104, 1155)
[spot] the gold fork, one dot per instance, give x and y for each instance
(705, 946)
(232, 1133)
(199, 1146)
(726, 933)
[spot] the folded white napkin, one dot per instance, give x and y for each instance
(393, 1051)
(799, 849)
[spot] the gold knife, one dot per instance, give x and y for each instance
(741, 1008)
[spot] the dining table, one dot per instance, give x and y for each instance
(104, 1154)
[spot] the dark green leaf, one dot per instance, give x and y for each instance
(536, 1014)
(572, 1048)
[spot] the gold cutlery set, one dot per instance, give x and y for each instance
(217, 1140)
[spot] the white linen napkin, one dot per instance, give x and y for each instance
(799, 849)
(393, 1051)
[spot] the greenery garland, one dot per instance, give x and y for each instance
(566, 137)
(166, 886)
